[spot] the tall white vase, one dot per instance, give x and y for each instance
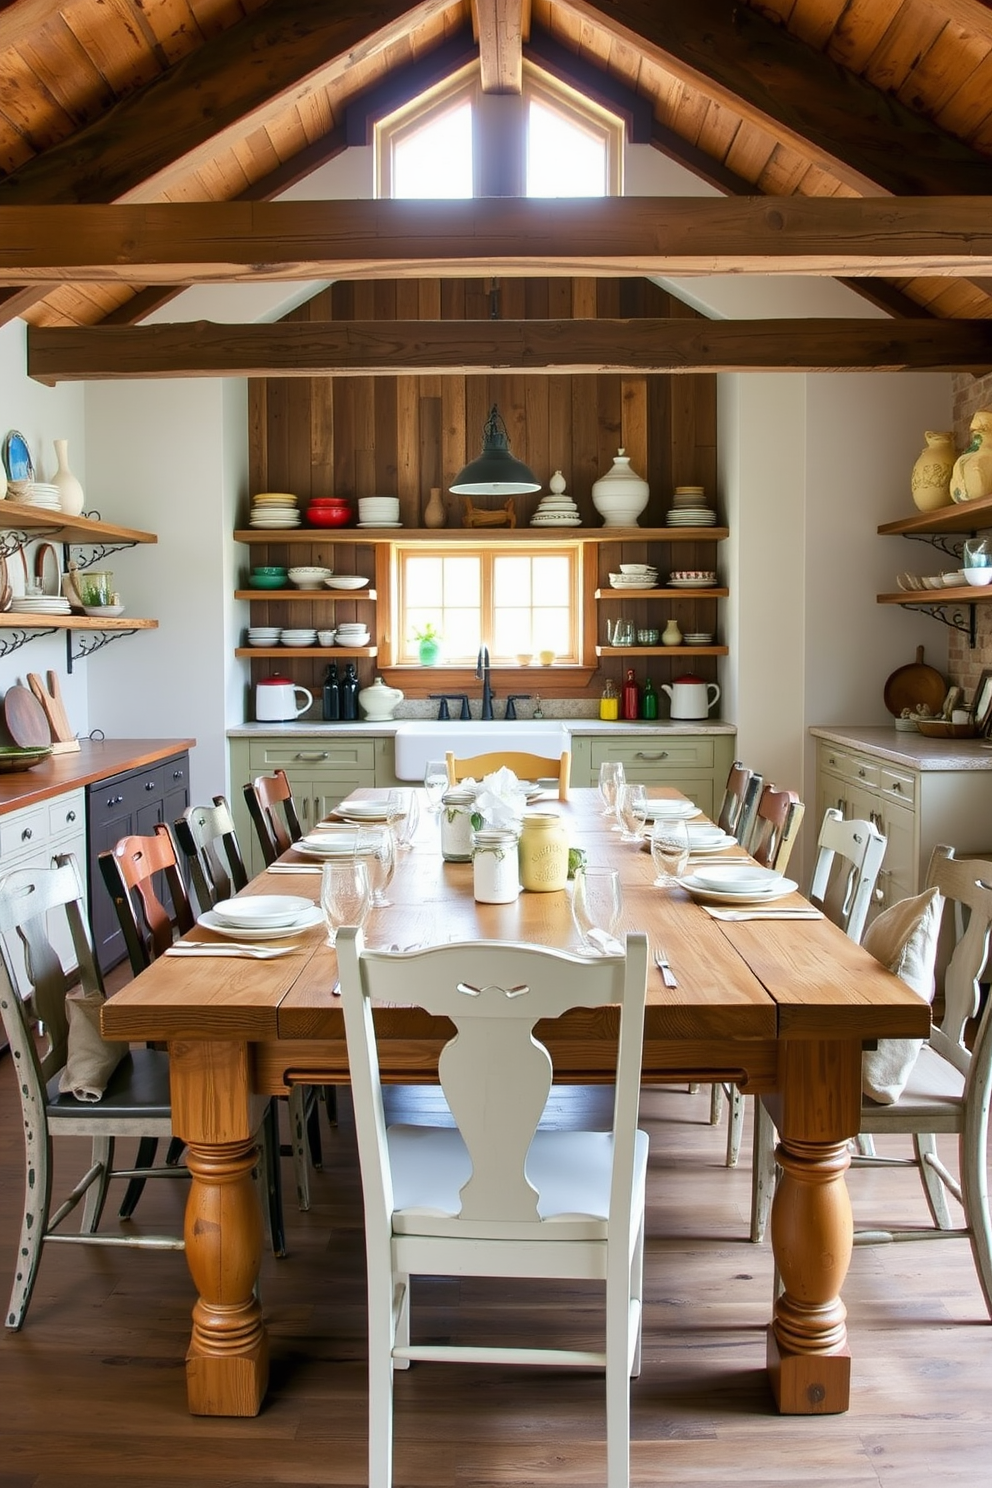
(70, 490)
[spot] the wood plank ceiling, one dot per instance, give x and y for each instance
(199, 101)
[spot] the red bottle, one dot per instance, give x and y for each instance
(631, 697)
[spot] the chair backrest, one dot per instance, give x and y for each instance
(203, 833)
(966, 883)
(776, 825)
(524, 766)
(494, 992)
(740, 801)
(128, 871)
(28, 896)
(270, 803)
(849, 856)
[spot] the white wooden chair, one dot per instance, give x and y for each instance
(849, 857)
(496, 1195)
(524, 766)
(136, 1102)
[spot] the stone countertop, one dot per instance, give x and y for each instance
(911, 750)
(387, 729)
(94, 760)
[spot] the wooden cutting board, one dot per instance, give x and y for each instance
(50, 698)
(25, 718)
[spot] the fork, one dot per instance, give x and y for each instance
(661, 961)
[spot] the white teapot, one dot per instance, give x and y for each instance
(379, 702)
(690, 696)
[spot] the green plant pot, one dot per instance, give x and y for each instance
(430, 653)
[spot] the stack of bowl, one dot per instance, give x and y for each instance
(352, 633)
(328, 511)
(379, 511)
(298, 637)
(274, 509)
(264, 635)
(268, 576)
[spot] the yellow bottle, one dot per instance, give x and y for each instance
(609, 703)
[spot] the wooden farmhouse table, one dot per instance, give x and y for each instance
(781, 1007)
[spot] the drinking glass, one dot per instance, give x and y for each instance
(669, 850)
(345, 894)
(611, 777)
(435, 783)
(632, 809)
(376, 846)
(406, 826)
(597, 902)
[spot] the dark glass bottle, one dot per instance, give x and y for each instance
(631, 697)
(332, 695)
(349, 693)
(649, 700)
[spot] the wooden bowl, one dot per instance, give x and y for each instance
(939, 728)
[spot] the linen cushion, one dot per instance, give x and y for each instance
(904, 938)
(91, 1059)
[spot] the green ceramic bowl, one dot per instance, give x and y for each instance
(271, 568)
(13, 759)
(267, 581)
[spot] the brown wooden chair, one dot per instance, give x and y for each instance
(776, 826)
(270, 803)
(740, 801)
(524, 766)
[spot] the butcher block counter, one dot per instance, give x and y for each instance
(95, 760)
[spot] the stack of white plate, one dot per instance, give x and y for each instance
(707, 837)
(339, 841)
(40, 604)
(737, 884)
(635, 576)
(352, 634)
(40, 493)
(379, 511)
(261, 917)
(274, 509)
(671, 810)
(364, 811)
(298, 637)
(691, 516)
(698, 638)
(556, 510)
(264, 635)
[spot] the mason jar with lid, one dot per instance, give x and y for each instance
(457, 806)
(495, 866)
(543, 852)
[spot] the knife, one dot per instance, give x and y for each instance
(252, 953)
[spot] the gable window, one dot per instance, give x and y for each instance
(518, 601)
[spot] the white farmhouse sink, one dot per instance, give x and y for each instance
(418, 742)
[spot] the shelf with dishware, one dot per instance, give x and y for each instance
(28, 522)
(697, 592)
(328, 537)
(669, 651)
(942, 596)
(294, 596)
(333, 653)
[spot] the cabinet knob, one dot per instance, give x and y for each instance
(896, 785)
(178, 774)
(27, 834)
(642, 754)
(114, 800)
(861, 774)
(70, 816)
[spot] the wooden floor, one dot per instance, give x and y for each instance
(92, 1390)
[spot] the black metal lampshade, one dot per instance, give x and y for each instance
(495, 472)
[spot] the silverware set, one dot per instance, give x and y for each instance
(187, 948)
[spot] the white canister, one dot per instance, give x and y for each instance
(457, 806)
(495, 868)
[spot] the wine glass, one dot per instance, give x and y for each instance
(632, 809)
(435, 783)
(669, 850)
(345, 894)
(376, 846)
(597, 902)
(406, 826)
(611, 777)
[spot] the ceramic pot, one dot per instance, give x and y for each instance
(379, 702)
(671, 635)
(70, 490)
(620, 495)
(434, 512)
(971, 477)
(931, 478)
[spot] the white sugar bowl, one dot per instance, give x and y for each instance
(621, 494)
(379, 702)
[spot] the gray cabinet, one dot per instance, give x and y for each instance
(694, 763)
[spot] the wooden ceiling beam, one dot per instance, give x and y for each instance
(859, 132)
(231, 242)
(394, 347)
(500, 26)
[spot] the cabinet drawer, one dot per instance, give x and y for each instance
(23, 830)
(685, 752)
(898, 784)
(67, 814)
(314, 756)
(834, 761)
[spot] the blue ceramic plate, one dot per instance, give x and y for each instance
(17, 457)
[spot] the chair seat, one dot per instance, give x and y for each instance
(933, 1086)
(571, 1171)
(139, 1087)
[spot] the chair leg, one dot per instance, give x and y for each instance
(301, 1155)
(313, 1126)
(270, 1174)
(735, 1126)
(924, 1143)
(637, 1293)
(401, 1321)
(716, 1103)
(34, 1223)
(975, 1192)
(763, 1171)
(329, 1094)
(96, 1194)
(381, 1333)
(618, 1356)
(145, 1157)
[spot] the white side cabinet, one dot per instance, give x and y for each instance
(30, 838)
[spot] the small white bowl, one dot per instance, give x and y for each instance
(734, 878)
(978, 577)
(325, 637)
(309, 578)
(262, 911)
(345, 581)
(104, 612)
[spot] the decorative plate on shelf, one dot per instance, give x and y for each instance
(17, 457)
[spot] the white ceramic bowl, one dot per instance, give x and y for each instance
(979, 577)
(262, 911)
(345, 581)
(730, 879)
(309, 578)
(326, 637)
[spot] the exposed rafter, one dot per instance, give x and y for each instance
(500, 27)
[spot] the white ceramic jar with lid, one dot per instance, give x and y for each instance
(621, 494)
(379, 702)
(495, 876)
(457, 806)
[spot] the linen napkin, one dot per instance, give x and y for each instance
(91, 1059)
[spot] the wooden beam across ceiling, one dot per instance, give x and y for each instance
(230, 242)
(405, 347)
(500, 27)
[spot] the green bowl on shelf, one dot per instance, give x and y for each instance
(267, 581)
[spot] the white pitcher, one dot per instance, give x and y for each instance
(691, 697)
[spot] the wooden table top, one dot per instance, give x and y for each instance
(760, 980)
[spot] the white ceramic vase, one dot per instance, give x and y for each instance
(70, 490)
(621, 494)
(379, 702)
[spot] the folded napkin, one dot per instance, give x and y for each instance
(91, 1059)
(745, 913)
(295, 868)
(247, 953)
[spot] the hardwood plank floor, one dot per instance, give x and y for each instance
(92, 1390)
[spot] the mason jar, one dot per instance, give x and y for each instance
(543, 852)
(495, 867)
(457, 805)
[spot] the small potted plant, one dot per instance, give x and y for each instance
(429, 640)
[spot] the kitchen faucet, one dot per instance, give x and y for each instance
(482, 673)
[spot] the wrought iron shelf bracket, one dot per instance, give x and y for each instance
(952, 545)
(13, 640)
(90, 642)
(954, 620)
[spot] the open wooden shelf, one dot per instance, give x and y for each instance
(330, 535)
(309, 594)
(700, 593)
(15, 620)
(331, 652)
(965, 594)
(670, 651)
(72, 530)
(964, 517)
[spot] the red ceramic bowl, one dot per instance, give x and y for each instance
(328, 514)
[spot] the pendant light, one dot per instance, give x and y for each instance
(495, 472)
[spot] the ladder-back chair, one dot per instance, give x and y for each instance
(524, 766)
(273, 812)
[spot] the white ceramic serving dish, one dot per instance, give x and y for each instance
(737, 878)
(306, 921)
(262, 911)
(345, 581)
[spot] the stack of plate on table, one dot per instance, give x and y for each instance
(333, 841)
(298, 637)
(40, 493)
(709, 838)
(264, 635)
(345, 581)
(261, 917)
(366, 811)
(379, 511)
(353, 633)
(274, 509)
(40, 604)
(737, 884)
(671, 810)
(689, 508)
(556, 510)
(635, 576)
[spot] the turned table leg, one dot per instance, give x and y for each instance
(227, 1360)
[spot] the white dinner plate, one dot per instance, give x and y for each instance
(262, 911)
(784, 887)
(737, 878)
(364, 811)
(311, 917)
(671, 810)
(709, 839)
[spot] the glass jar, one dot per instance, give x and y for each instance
(495, 869)
(457, 806)
(543, 852)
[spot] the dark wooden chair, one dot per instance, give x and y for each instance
(270, 803)
(776, 826)
(740, 801)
